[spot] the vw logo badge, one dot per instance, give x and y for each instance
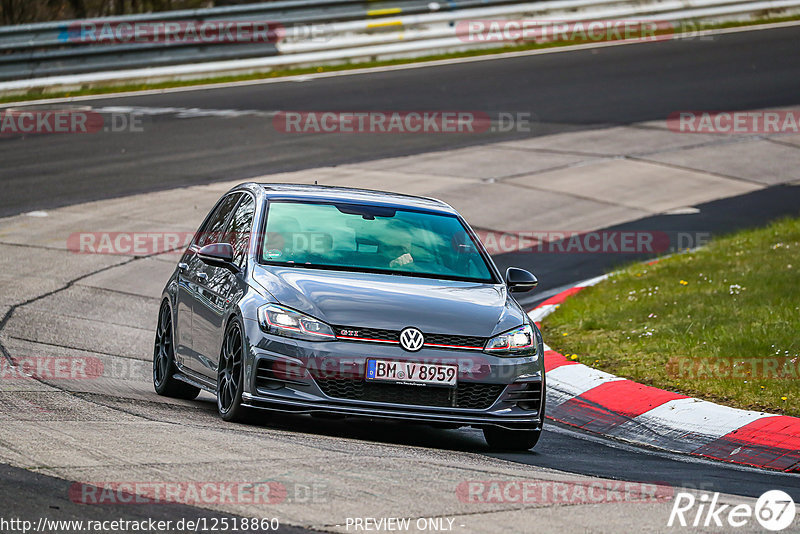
(411, 339)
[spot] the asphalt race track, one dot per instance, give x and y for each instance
(564, 91)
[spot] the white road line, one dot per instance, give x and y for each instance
(184, 113)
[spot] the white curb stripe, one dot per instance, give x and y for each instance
(556, 397)
(537, 314)
(578, 379)
(699, 417)
(592, 281)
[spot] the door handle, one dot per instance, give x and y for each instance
(203, 277)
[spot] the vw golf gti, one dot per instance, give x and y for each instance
(328, 300)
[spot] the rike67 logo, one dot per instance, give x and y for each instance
(774, 511)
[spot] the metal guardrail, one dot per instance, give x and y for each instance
(39, 55)
(48, 49)
(32, 34)
(51, 34)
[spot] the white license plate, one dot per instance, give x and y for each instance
(427, 374)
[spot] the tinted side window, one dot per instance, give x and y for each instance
(212, 231)
(238, 234)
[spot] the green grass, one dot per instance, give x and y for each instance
(681, 323)
(121, 87)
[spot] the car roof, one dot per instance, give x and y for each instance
(349, 195)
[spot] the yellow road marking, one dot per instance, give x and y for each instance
(384, 24)
(387, 11)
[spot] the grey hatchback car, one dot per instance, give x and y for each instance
(348, 302)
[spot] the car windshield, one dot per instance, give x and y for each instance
(371, 238)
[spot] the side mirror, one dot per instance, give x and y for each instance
(520, 280)
(218, 255)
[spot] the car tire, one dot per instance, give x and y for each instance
(501, 439)
(164, 369)
(230, 374)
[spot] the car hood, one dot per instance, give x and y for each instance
(393, 302)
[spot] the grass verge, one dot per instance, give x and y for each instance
(121, 87)
(721, 323)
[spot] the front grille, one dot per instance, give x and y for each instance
(466, 395)
(458, 341)
(377, 334)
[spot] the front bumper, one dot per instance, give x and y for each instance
(288, 375)
(404, 413)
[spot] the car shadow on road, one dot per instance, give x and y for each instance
(375, 430)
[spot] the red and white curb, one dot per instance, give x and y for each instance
(602, 403)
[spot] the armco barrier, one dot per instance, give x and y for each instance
(48, 49)
(316, 32)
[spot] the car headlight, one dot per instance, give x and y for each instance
(283, 321)
(520, 341)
